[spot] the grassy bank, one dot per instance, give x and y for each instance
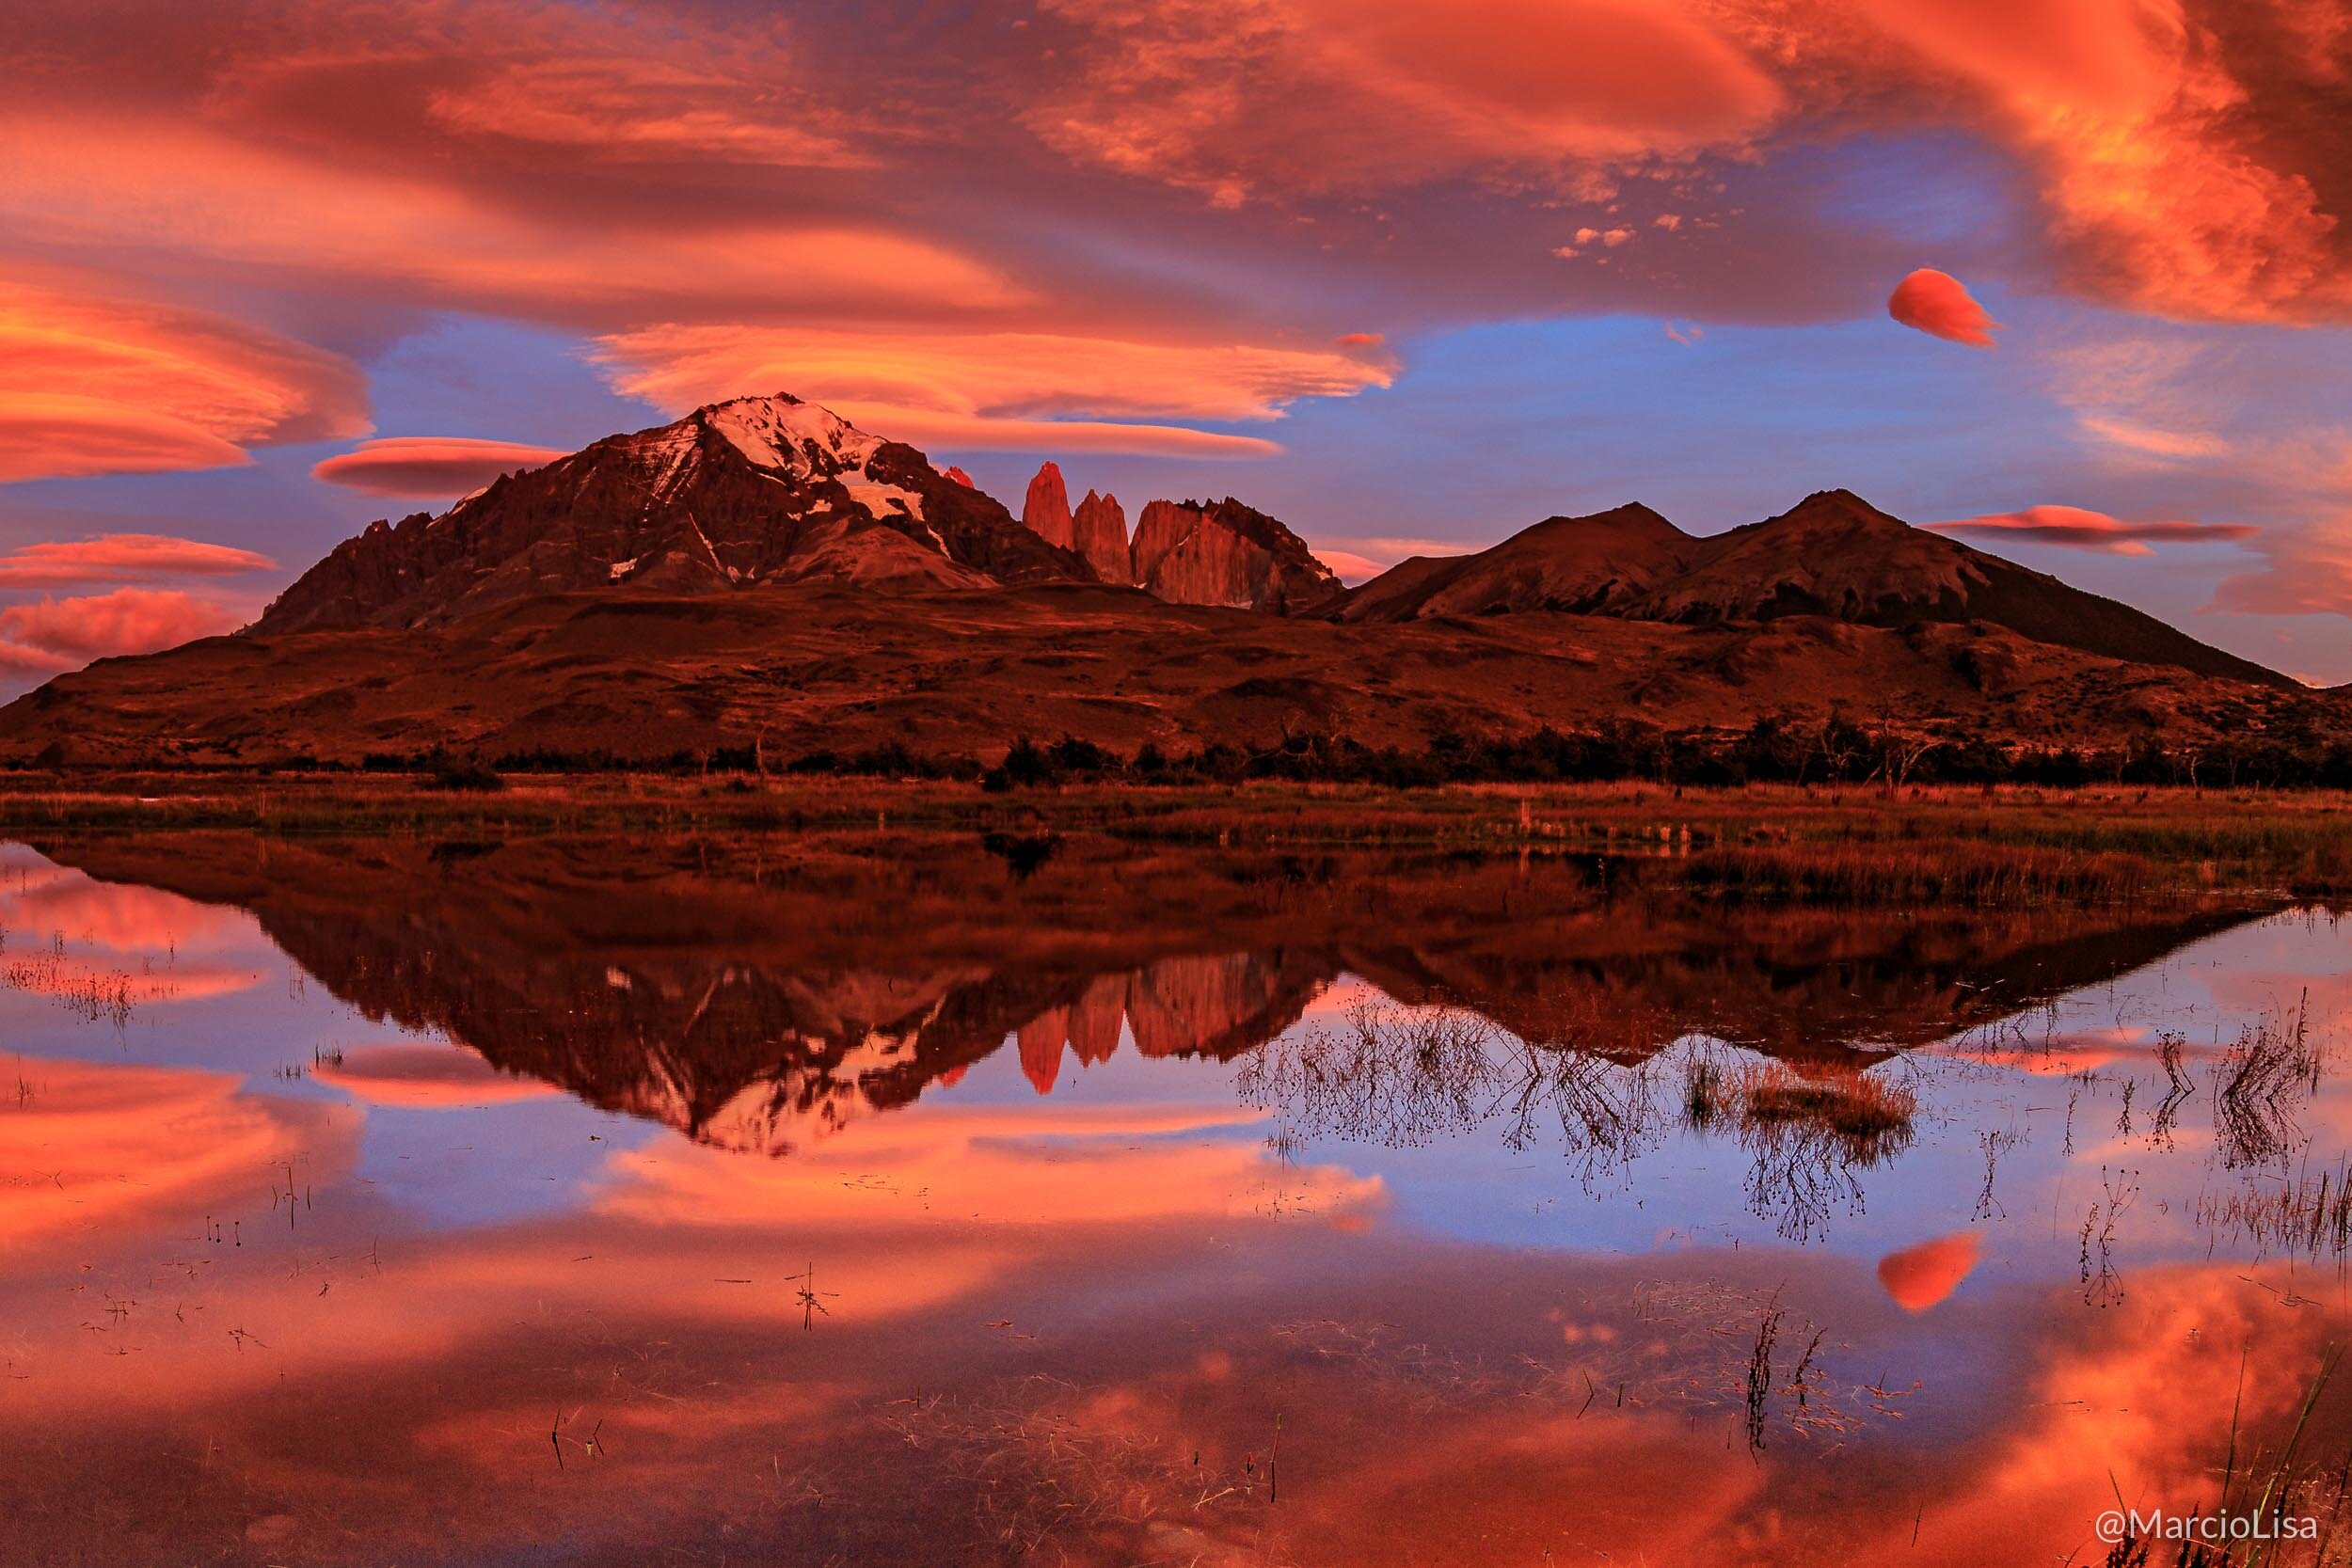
(1981, 844)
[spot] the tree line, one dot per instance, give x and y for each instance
(1839, 749)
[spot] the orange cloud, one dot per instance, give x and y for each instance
(1366, 556)
(1019, 390)
(598, 91)
(612, 84)
(425, 1077)
(429, 464)
(127, 621)
(2151, 1403)
(124, 917)
(1939, 304)
(1919, 1276)
(91, 386)
(1351, 568)
(2307, 570)
(2181, 145)
(123, 558)
(104, 182)
(17, 659)
(2077, 527)
(2149, 440)
(1242, 98)
(2182, 152)
(1002, 1165)
(2310, 573)
(141, 1146)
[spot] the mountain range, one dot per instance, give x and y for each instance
(760, 572)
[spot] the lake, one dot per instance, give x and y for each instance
(839, 1198)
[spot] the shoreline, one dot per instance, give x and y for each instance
(1923, 841)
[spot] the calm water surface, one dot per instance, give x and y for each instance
(782, 1200)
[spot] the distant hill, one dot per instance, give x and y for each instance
(1596, 565)
(1834, 556)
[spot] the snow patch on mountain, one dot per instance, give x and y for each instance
(878, 498)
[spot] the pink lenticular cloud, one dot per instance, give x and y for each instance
(2078, 527)
(94, 385)
(125, 557)
(1939, 304)
(1000, 390)
(430, 466)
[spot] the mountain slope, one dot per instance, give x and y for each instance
(797, 669)
(755, 490)
(1834, 556)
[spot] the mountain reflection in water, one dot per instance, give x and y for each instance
(900, 1198)
(754, 994)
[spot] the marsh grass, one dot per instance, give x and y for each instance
(1860, 1108)
(2303, 1215)
(1404, 1077)
(1810, 1138)
(1390, 1075)
(1703, 1092)
(2259, 1088)
(89, 991)
(2006, 844)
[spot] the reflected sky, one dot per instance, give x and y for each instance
(289, 1273)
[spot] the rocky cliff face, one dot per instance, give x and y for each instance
(757, 490)
(1209, 1004)
(1191, 552)
(1185, 552)
(1101, 528)
(1045, 511)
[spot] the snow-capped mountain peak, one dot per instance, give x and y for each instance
(782, 431)
(734, 495)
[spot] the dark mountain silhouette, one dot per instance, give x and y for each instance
(1834, 556)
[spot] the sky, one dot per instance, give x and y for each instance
(2073, 279)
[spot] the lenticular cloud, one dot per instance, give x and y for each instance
(430, 466)
(1940, 305)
